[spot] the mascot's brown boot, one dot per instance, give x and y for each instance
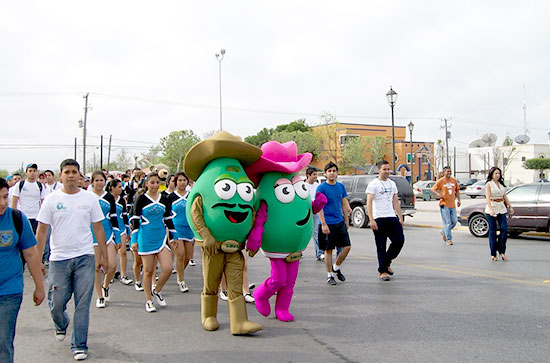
(209, 310)
(238, 319)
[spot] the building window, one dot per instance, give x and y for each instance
(344, 138)
(523, 158)
(425, 159)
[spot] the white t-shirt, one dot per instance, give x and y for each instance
(312, 188)
(29, 198)
(10, 197)
(70, 216)
(382, 204)
(53, 187)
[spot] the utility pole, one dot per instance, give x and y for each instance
(454, 162)
(447, 136)
(109, 151)
(101, 154)
(84, 135)
(75, 148)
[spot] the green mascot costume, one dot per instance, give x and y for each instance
(221, 216)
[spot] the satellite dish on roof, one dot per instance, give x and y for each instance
(522, 139)
(489, 138)
(477, 143)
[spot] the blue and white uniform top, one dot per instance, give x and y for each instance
(179, 203)
(122, 216)
(149, 222)
(110, 223)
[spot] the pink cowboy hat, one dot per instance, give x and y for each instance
(283, 158)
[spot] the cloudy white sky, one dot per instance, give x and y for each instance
(150, 69)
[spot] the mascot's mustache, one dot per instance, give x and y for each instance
(232, 205)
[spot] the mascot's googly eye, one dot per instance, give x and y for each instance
(284, 193)
(246, 191)
(225, 189)
(301, 189)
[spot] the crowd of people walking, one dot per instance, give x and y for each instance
(80, 225)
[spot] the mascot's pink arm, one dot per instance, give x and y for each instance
(255, 236)
(319, 202)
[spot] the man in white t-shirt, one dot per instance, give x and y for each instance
(16, 179)
(28, 194)
(385, 217)
(311, 185)
(51, 186)
(70, 211)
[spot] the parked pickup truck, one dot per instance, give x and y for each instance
(356, 187)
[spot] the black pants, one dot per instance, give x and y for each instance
(392, 229)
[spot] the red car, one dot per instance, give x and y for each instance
(531, 203)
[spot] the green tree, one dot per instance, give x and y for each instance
(260, 138)
(328, 137)
(266, 134)
(122, 161)
(508, 141)
(151, 157)
(377, 148)
(305, 141)
(175, 146)
(540, 164)
(4, 173)
(353, 153)
(298, 125)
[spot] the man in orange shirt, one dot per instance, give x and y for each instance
(447, 190)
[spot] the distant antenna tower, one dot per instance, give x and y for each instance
(524, 138)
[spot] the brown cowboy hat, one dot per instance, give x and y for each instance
(222, 144)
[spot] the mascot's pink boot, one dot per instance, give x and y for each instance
(270, 286)
(282, 280)
(284, 295)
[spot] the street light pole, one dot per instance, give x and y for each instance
(411, 127)
(219, 57)
(392, 98)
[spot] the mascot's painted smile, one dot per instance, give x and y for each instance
(235, 216)
(305, 220)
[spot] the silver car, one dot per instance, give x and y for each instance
(476, 190)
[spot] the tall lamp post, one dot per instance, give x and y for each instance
(219, 57)
(392, 98)
(411, 128)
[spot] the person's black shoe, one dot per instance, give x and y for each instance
(331, 281)
(339, 274)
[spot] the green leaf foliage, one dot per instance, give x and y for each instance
(305, 141)
(175, 146)
(537, 164)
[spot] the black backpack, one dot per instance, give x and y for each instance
(22, 182)
(17, 221)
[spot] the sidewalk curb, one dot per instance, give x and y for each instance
(464, 228)
(457, 228)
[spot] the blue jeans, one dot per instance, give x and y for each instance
(9, 308)
(448, 215)
(65, 278)
(316, 222)
(497, 244)
(46, 255)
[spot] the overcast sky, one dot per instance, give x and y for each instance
(150, 69)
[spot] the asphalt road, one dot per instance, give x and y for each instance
(444, 304)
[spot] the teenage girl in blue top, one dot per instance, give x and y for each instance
(152, 216)
(115, 188)
(112, 236)
(183, 242)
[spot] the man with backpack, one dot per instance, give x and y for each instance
(29, 193)
(16, 237)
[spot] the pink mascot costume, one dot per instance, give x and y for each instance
(284, 221)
